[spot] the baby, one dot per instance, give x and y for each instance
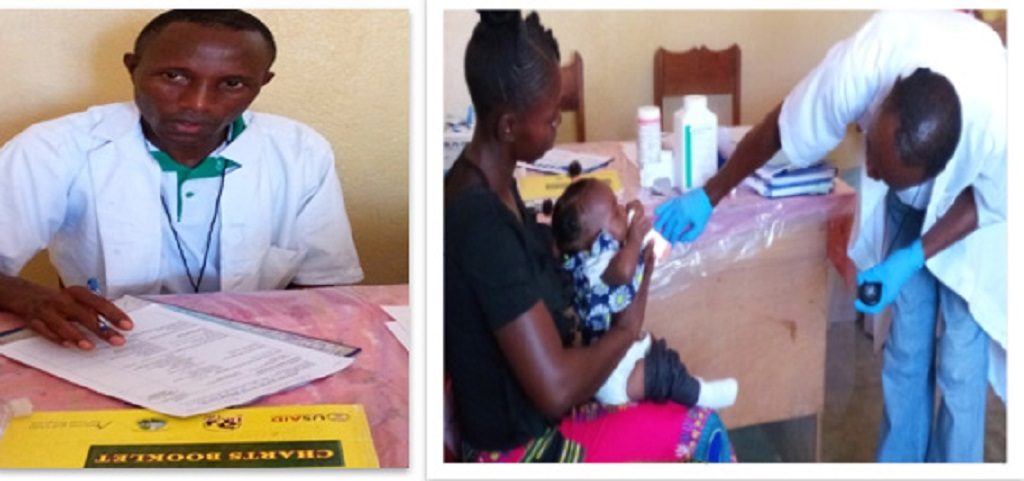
(602, 242)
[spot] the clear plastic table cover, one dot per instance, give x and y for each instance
(741, 226)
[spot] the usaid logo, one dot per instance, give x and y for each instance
(300, 418)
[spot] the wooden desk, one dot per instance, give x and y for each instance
(748, 299)
(378, 379)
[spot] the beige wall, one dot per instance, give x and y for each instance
(345, 73)
(778, 48)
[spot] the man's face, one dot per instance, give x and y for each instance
(883, 158)
(191, 81)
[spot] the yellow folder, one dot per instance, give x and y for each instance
(535, 188)
(325, 435)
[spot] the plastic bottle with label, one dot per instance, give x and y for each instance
(694, 143)
(648, 134)
(14, 408)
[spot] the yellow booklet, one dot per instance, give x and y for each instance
(535, 188)
(325, 435)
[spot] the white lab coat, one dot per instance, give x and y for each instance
(86, 187)
(849, 86)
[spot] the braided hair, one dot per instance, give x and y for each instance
(509, 61)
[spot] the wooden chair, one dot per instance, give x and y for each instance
(572, 93)
(698, 71)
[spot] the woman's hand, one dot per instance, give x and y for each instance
(555, 377)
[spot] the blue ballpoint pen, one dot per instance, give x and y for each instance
(94, 286)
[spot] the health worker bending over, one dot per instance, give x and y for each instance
(929, 90)
(182, 191)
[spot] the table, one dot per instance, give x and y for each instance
(378, 379)
(749, 300)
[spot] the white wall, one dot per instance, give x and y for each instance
(778, 48)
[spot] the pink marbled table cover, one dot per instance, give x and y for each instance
(378, 379)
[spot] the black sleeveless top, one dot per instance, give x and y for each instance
(496, 268)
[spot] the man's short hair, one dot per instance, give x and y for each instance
(231, 19)
(928, 111)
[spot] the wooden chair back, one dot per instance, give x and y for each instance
(698, 71)
(572, 93)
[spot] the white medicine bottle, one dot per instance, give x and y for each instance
(648, 135)
(694, 143)
(14, 408)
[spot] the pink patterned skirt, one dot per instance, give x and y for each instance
(645, 432)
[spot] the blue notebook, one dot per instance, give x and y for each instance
(813, 187)
(784, 176)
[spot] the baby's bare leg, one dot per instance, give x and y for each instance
(635, 385)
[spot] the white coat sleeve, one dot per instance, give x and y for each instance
(837, 92)
(978, 70)
(982, 87)
(322, 225)
(35, 175)
(990, 184)
(990, 191)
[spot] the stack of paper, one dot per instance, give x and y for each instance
(785, 181)
(557, 161)
(401, 325)
(182, 365)
(456, 138)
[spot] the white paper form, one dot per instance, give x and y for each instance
(181, 366)
(557, 161)
(400, 327)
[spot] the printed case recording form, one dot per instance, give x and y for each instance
(179, 365)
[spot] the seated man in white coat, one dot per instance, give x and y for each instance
(182, 191)
(929, 91)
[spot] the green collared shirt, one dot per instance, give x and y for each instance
(211, 166)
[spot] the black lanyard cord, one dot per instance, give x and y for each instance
(209, 234)
(899, 227)
(870, 292)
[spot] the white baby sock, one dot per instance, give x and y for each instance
(717, 394)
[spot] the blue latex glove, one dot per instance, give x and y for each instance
(892, 273)
(683, 218)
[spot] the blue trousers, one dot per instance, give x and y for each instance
(916, 361)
